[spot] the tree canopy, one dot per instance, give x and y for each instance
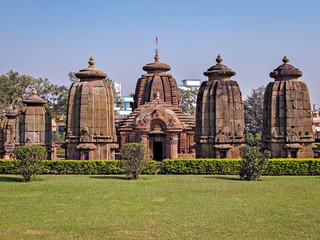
(253, 109)
(188, 99)
(15, 87)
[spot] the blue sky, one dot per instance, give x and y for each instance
(50, 38)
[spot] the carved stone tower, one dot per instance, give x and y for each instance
(220, 118)
(287, 123)
(90, 121)
(9, 131)
(35, 124)
(157, 120)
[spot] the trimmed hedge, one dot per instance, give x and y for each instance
(292, 166)
(275, 167)
(75, 167)
(201, 166)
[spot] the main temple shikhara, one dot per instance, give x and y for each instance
(157, 119)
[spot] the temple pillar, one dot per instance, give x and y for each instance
(144, 140)
(123, 139)
(172, 146)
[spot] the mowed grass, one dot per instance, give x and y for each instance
(159, 207)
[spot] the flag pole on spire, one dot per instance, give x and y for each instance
(157, 45)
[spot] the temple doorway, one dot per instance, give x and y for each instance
(157, 151)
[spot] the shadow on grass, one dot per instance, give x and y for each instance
(110, 177)
(117, 177)
(11, 179)
(225, 178)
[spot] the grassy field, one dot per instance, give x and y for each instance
(159, 207)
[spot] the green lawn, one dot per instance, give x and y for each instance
(159, 207)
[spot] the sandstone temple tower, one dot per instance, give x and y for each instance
(91, 130)
(157, 120)
(220, 117)
(287, 123)
(8, 133)
(34, 124)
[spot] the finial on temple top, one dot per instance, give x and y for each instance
(219, 59)
(91, 62)
(285, 59)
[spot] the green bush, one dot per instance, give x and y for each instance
(135, 157)
(61, 151)
(58, 137)
(200, 166)
(254, 164)
(30, 160)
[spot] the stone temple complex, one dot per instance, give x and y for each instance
(220, 117)
(91, 132)
(157, 120)
(287, 124)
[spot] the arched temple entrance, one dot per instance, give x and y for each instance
(157, 146)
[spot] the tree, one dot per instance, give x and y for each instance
(14, 87)
(255, 162)
(59, 100)
(253, 141)
(253, 109)
(72, 77)
(135, 157)
(30, 157)
(188, 99)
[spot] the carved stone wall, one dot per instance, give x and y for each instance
(287, 123)
(220, 117)
(90, 119)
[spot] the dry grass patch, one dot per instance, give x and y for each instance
(158, 200)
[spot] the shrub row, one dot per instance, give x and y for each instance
(275, 167)
(201, 166)
(75, 167)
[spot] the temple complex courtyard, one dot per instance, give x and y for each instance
(159, 207)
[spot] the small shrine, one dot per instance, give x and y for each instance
(287, 124)
(220, 116)
(34, 124)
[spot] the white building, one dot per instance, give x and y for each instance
(126, 110)
(189, 83)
